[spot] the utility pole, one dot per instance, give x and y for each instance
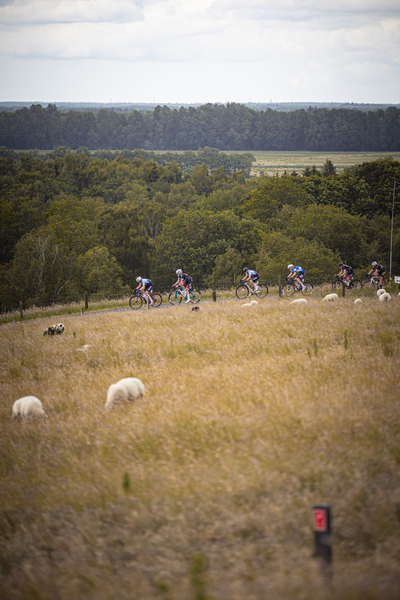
(391, 232)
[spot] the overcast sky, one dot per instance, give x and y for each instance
(200, 51)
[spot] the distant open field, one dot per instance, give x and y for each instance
(278, 162)
(204, 489)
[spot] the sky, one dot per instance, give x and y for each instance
(198, 51)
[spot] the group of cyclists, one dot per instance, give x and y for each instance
(184, 281)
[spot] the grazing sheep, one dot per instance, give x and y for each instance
(54, 329)
(254, 302)
(358, 301)
(195, 308)
(380, 292)
(299, 301)
(385, 297)
(128, 389)
(331, 298)
(28, 406)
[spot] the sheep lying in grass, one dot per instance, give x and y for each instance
(385, 297)
(299, 301)
(28, 406)
(380, 292)
(331, 298)
(252, 303)
(54, 330)
(128, 389)
(358, 301)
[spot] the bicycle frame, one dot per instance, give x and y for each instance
(182, 292)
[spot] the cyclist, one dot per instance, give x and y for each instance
(185, 281)
(251, 277)
(145, 287)
(346, 272)
(378, 271)
(298, 274)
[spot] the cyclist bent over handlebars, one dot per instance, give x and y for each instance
(251, 277)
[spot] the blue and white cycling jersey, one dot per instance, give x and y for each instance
(148, 285)
(300, 272)
(253, 274)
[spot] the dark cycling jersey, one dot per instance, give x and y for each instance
(187, 279)
(381, 270)
(349, 270)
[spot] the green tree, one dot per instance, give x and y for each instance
(100, 272)
(267, 200)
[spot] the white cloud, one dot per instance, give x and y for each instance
(281, 40)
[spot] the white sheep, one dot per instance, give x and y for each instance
(28, 406)
(252, 303)
(358, 301)
(380, 292)
(331, 298)
(128, 389)
(299, 301)
(385, 297)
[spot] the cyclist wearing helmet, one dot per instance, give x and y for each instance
(145, 287)
(298, 274)
(184, 281)
(251, 277)
(378, 271)
(346, 272)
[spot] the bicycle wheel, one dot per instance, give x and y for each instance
(336, 285)
(242, 291)
(195, 296)
(157, 299)
(262, 291)
(135, 301)
(369, 284)
(356, 285)
(308, 290)
(174, 297)
(288, 289)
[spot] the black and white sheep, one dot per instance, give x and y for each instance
(54, 329)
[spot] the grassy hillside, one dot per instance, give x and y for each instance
(204, 489)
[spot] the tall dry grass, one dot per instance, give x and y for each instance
(204, 489)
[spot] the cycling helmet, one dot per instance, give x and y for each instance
(179, 271)
(138, 279)
(374, 263)
(340, 264)
(245, 269)
(290, 266)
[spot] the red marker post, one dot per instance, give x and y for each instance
(322, 533)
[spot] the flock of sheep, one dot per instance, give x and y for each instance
(130, 389)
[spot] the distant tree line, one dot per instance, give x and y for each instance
(71, 223)
(226, 127)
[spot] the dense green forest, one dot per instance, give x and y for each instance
(227, 127)
(70, 222)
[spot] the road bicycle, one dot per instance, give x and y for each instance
(354, 284)
(177, 294)
(372, 283)
(243, 290)
(138, 299)
(289, 287)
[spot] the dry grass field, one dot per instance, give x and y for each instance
(204, 489)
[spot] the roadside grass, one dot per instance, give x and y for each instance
(204, 489)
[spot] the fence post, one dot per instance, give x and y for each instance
(323, 537)
(280, 286)
(344, 288)
(214, 292)
(20, 309)
(86, 300)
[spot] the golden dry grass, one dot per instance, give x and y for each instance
(204, 489)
